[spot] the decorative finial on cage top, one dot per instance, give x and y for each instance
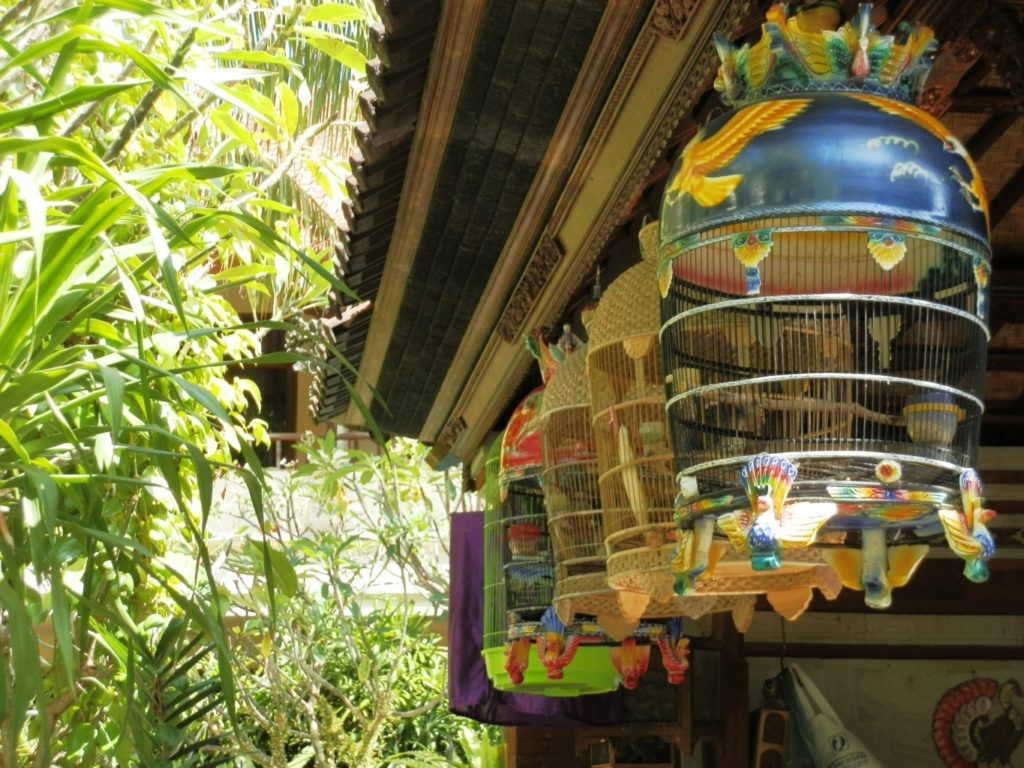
(800, 53)
(550, 356)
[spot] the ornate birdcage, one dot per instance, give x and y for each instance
(570, 474)
(824, 276)
(628, 401)
(637, 485)
(587, 612)
(520, 573)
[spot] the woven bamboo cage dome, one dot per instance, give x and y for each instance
(824, 272)
(630, 429)
(586, 611)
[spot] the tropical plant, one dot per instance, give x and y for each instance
(143, 148)
(352, 673)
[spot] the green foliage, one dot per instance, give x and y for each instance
(139, 218)
(352, 673)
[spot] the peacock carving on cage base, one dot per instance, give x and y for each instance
(824, 272)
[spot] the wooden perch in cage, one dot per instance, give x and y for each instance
(802, 404)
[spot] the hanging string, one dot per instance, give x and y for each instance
(782, 654)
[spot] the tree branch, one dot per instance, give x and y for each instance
(15, 12)
(421, 709)
(146, 104)
(262, 45)
(334, 691)
(89, 111)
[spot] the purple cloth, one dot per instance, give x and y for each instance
(470, 692)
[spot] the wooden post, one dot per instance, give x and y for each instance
(539, 748)
(733, 750)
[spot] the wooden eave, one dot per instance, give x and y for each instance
(493, 94)
(642, 89)
(396, 78)
(667, 69)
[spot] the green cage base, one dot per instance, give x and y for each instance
(590, 672)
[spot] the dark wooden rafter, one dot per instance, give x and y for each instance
(995, 35)
(989, 133)
(973, 77)
(986, 100)
(1006, 198)
(999, 36)
(955, 59)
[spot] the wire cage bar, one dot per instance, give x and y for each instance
(518, 562)
(824, 278)
(858, 365)
(824, 332)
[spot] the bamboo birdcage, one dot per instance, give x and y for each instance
(570, 473)
(636, 483)
(586, 608)
(627, 389)
(519, 569)
(518, 564)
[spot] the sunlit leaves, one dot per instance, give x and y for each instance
(334, 13)
(289, 107)
(124, 266)
(354, 532)
(337, 48)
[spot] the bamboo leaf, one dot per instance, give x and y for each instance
(237, 98)
(135, 7)
(104, 536)
(21, 235)
(227, 125)
(47, 108)
(12, 440)
(150, 68)
(333, 13)
(339, 50)
(45, 47)
(170, 275)
(202, 396)
(204, 480)
(35, 207)
(242, 273)
(131, 293)
(61, 615)
(327, 275)
(24, 661)
(103, 451)
(114, 385)
(260, 57)
(289, 107)
(46, 494)
(284, 573)
(252, 475)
